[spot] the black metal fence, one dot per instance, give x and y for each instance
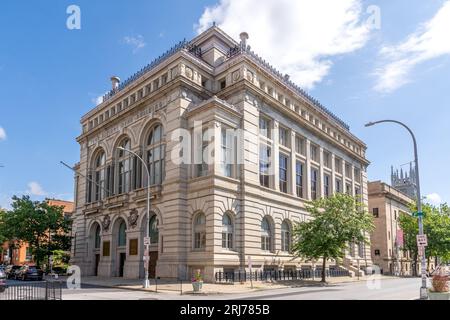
(42, 290)
(278, 275)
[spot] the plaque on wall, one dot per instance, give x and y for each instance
(106, 248)
(133, 247)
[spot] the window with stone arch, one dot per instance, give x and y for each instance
(99, 176)
(122, 241)
(227, 231)
(124, 167)
(153, 227)
(266, 235)
(97, 237)
(200, 231)
(155, 150)
(286, 236)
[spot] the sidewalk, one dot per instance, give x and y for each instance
(170, 286)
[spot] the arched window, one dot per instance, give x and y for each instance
(227, 232)
(156, 155)
(200, 231)
(285, 237)
(266, 235)
(154, 233)
(99, 176)
(122, 234)
(97, 239)
(124, 167)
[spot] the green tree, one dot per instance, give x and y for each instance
(42, 226)
(335, 222)
(436, 225)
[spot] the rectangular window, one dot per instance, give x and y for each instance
(284, 137)
(264, 164)
(283, 173)
(300, 144)
(326, 185)
(299, 178)
(375, 212)
(227, 146)
(338, 165)
(264, 127)
(327, 159)
(203, 142)
(314, 181)
(314, 153)
(348, 189)
(357, 175)
(338, 185)
(348, 170)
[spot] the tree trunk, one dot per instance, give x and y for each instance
(428, 264)
(324, 263)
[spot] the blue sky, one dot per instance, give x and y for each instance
(50, 75)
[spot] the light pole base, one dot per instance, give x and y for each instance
(423, 293)
(146, 284)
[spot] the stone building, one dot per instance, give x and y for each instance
(387, 204)
(404, 182)
(275, 147)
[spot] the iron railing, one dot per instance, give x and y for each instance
(278, 275)
(42, 290)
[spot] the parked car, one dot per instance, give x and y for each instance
(11, 271)
(2, 281)
(29, 273)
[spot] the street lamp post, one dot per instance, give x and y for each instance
(147, 245)
(423, 288)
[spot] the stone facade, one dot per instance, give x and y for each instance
(208, 215)
(387, 204)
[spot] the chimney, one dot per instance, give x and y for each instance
(244, 37)
(115, 82)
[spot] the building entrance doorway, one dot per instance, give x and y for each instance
(152, 264)
(97, 262)
(122, 258)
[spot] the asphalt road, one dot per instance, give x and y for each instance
(387, 289)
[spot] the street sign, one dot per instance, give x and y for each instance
(422, 240)
(421, 251)
(146, 241)
(399, 239)
(418, 214)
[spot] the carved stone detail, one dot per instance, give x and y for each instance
(133, 218)
(106, 222)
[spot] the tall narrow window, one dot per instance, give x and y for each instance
(122, 242)
(348, 189)
(227, 232)
(338, 165)
(314, 181)
(124, 166)
(97, 238)
(266, 235)
(283, 173)
(200, 231)
(264, 127)
(284, 137)
(153, 228)
(264, 164)
(326, 185)
(314, 153)
(99, 175)
(299, 178)
(285, 237)
(300, 144)
(156, 155)
(202, 161)
(327, 159)
(228, 151)
(338, 185)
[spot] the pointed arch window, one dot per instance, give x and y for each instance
(156, 155)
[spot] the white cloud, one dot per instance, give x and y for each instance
(434, 199)
(2, 134)
(299, 37)
(35, 189)
(430, 41)
(136, 42)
